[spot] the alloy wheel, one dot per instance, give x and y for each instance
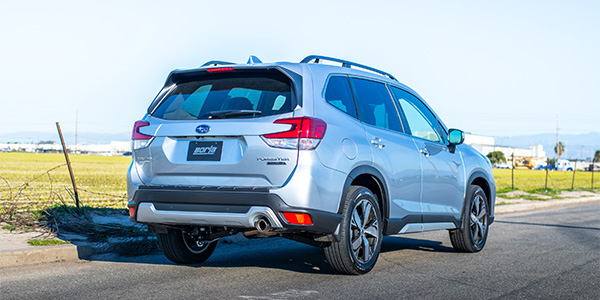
(364, 231)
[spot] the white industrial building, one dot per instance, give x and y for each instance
(486, 144)
(112, 148)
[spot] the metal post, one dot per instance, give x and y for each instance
(547, 168)
(593, 167)
(512, 170)
(574, 170)
(62, 141)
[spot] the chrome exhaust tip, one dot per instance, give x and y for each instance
(262, 225)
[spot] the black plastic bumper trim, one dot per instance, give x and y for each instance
(232, 200)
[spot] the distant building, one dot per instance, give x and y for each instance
(113, 148)
(486, 144)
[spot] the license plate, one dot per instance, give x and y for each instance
(205, 151)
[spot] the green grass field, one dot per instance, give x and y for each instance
(534, 180)
(25, 180)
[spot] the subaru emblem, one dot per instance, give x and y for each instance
(203, 129)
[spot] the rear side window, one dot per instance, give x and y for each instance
(375, 105)
(235, 94)
(339, 94)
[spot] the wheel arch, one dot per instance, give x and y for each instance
(372, 179)
(482, 180)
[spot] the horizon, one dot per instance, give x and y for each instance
(577, 150)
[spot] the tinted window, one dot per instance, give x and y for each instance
(267, 91)
(421, 121)
(338, 94)
(375, 106)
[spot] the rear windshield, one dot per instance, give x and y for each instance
(234, 94)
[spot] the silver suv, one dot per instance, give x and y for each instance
(326, 151)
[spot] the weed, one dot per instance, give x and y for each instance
(505, 190)
(46, 242)
(9, 227)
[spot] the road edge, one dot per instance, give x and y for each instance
(43, 254)
(525, 207)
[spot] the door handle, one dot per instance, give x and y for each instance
(377, 142)
(424, 151)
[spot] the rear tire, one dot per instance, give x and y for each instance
(181, 247)
(360, 234)
(472, 234)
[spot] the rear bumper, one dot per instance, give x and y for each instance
(215, 206)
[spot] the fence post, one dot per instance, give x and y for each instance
(593, 167)
(62, 141)
(547, 168)
(512, 171)
(574, 170)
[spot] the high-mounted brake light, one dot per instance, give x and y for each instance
(305, 134)
(223, 69)
(138, 139)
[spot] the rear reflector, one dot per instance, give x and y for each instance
(224, 69)
(132, 211)
(298, 218)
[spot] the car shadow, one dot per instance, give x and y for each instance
(396, 243)
(274, 253)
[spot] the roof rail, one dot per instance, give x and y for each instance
(345, 64)
(216, 63)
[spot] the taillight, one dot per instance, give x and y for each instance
(305, 134)
(140, 140)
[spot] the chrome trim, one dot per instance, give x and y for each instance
(147, 213)
(418, 227)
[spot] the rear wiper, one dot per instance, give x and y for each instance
(223, 114)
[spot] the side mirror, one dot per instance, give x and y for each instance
(456, 137)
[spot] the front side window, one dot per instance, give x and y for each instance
(235, 94)
(339, 94)
(375, 106)
(421, 122)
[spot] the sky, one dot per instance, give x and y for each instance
(497, 68)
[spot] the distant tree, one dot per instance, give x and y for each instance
(552, 162)
(46, 142)
(559, 149)
(597, 156)
(496, 157)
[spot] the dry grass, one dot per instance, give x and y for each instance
(30, 181)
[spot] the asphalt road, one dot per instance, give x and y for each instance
(537, 255)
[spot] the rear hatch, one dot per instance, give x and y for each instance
(207, 129)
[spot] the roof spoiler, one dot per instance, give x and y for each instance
(251, 60)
